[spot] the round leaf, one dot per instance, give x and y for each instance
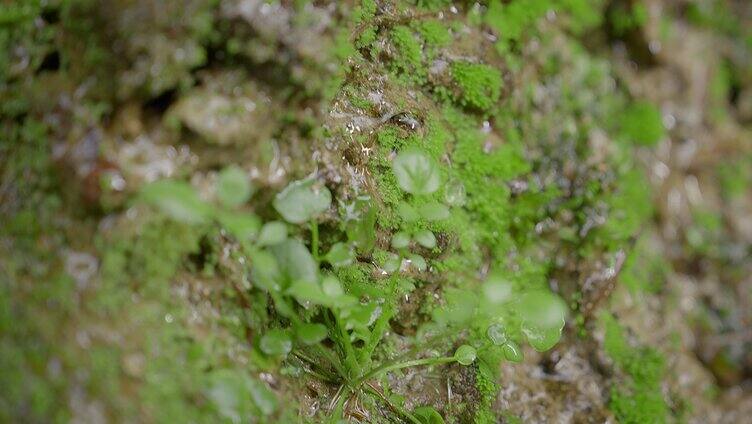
(418, 262)
(400, 240)
(310, 333)
(340, 255)
(428, 415)
(496, 334)
(178, 200)
(295, 261)
(416, 172)
(511, 351)
(301, 201)
(465, 354)
(274, 232)
(276, 343)
(426, 239)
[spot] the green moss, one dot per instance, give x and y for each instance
(479, 85)
(639, 398)
(488, 390)
(434, 33)
(641, 124)
(511, 19)
(365, 12)
(408, 58)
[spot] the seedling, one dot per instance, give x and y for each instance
(313, 305)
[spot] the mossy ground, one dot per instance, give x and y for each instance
(568, 162)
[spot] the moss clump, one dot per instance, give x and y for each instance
(408, 57)
(479, 85)
(511, 19)
(434, 33)
(642, 124)
(638, 399)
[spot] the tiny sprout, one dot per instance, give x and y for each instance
(511, 351)
(426, 239)
(496, 334)
(302, 201)
(276, 343)
(400, 240)
(416, 172)
(465, 355)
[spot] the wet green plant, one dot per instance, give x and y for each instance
(334, 328)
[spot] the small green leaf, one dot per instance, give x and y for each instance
(243, 226)
(543, 315)
(276, 343)
(305, 291)
(407, 212)
(418, 262)
(178, 200)
(309, 334)
(361, 317)
(332, 287)
(302, 201)
(541, 339)
(392, 263)
(340, 255)
(416, 172)
(265, 270)
(426, 239)
(496, 334)
(542, 309)
(434, 211)
(465, 354)
(273, 232)
(295, 261)
(428, 415)
(511, 351)
(400, 240)
(233, 187)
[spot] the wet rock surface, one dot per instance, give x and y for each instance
(605, 156)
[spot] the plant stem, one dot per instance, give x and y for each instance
(391, 367)
(351, 358)
(315, 239)
(395, 408)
